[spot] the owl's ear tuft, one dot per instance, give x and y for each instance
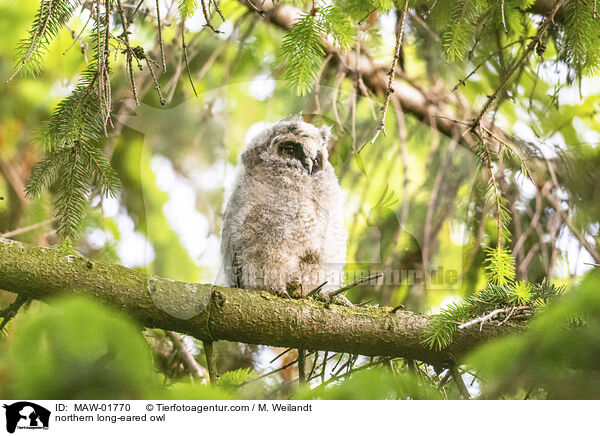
(325, 133)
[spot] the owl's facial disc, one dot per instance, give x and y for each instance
(294, 150)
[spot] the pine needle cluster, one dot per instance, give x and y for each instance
(519, 299)
(302, 46)
(503, 295)
(49, 19)
(74, 162)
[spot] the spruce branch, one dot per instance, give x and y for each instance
(50, 18)
(187, 7)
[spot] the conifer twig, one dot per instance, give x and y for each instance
(506, 78)
(460, 382)
(392, 73)
(482, 319)
(211, 361)
(77, 38)
(26, 229)
(354, 284)
(128, 51)
(207, 17)
(155, 80)
(188, 359)
(35, 42)
(160, 39)
(185, 57)
(11, 311)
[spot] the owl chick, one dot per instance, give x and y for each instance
(283, 228)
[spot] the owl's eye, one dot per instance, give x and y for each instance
(289, 148)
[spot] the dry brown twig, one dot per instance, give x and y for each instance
(486, 318)
(390, 87)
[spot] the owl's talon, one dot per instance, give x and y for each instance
(294, 289)
(282, 293)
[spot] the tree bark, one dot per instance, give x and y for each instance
(211, 313)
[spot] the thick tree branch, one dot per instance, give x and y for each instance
(212, 313)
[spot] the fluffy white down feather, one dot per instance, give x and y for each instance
(284, 226)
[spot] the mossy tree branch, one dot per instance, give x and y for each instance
(212, 313)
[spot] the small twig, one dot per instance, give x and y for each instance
(137, 8)
(275, 371)
(354, 284)
(26, 229)
(211, 361)
(481, 319)
(314, 365)
(287, 350)
(460, 382)
(207, 18)
(185, 57)
(324, 366)
(188, 359)
(392, 73)
(11, 311)
(336, 90)
(302, 365)
(463, 81)
(317, 289)
(565, 217)
(426, 14)
(352, 371)
(504, 82)
(216, 5)
(77, 38)
(503, 17)
(128, 51)
(254, 8)
(338, 362)
(318, 81)
(156, 84)
(160, 39)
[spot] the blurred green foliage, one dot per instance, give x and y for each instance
(76, 348)
(412, 189)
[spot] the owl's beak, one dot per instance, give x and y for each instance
(311, 165)
(308, 165)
